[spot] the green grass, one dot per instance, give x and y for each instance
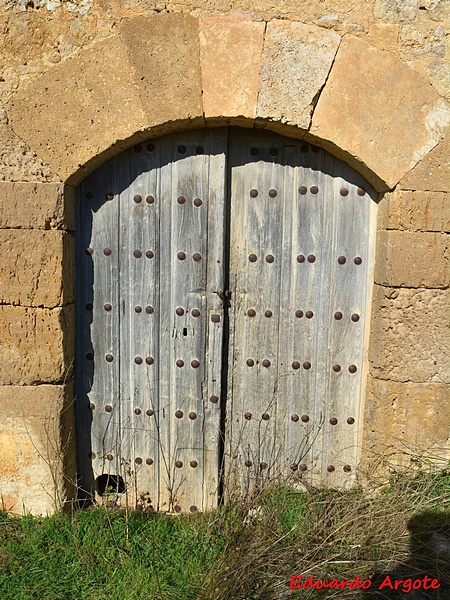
(229, 554)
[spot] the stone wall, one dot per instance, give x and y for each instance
(84, 79)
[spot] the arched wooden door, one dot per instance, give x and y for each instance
(223, 291)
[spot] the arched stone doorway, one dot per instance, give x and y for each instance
(224, 282)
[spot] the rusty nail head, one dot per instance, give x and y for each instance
(90, 356)
(108, 408)
(314, 189)
(296, 365)
(306, 365)
(252, 258)
(180, 311)
(294, 467)
(149, 360)
(311, 258)
(137, 411)
(109, 197)
(138, 460)
(181, 255)
(193, 464)
(333, 421)
(149, 199)
(299, 314)
(250, 362)
(149, 310)
(338, 316)
(309, 314)
(149, 461)
(109, 456)
(263, 466)
(342, 260)
(137, 198)
(177, 508)
(336, 368)
(197, 257)
(109, 358)
(149, 412)
(248, 463)
(92, 406)
(199, 150)
(107, 251)
(273, 193)
(92, 455)
(253, 193)
(331, 468)
(361, 191)
(138, 309)
(268, 314)
(181, 199)
(138, 360)
(344, 191)
(347, 468)
(195, 312)
(270, 258)
(305, 418)
(137, 254)
(302, 190)
(265, 417)
(181, 149)
(179, 414)
(300, 258)
(192, 416)
(355, 318)
(266, 363)
(180, 363)
(302, 467)
(350, 420)
(352, 369)
(358, 260)
(251, 312)
(215, 318)
(193, 508)
(295, 418)
(195, 364)
(214, 399)
(90, 251)
(178, 464)
(248, 416)
(149, 254)
(197, 202)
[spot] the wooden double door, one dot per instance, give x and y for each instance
(223, 289)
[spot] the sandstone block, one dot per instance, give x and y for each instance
(379, 111)
(19, 162)
(296, 61)
(37, 433)
(37, 267)
(35, 206)
(405, 420)
(432, 172)
(415, 211)
(79, 107)
(164, 55)
(230, 55)
(410, 337)
(412, 259)
(37, 344)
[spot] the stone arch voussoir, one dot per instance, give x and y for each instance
(169, 72)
